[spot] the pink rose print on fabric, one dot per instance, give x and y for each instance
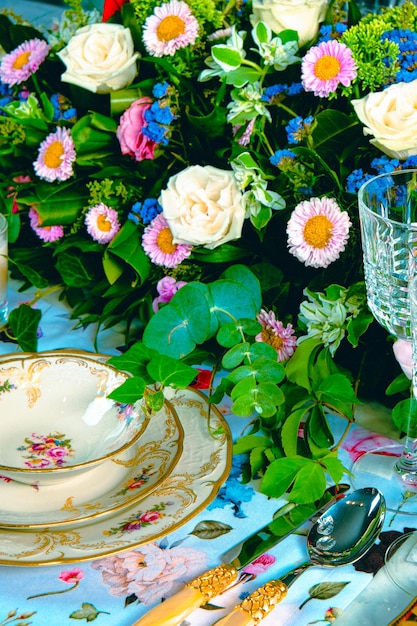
(361, 441)
(150, 573)
(71, 577)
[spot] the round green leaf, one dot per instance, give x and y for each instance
(235, 356)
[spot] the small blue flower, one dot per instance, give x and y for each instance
(281, 156)
(355, 180)
(274, 90)
(160, 90)
(298, 129)
(384, 164)
(146, 211)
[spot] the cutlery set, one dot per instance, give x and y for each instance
(345, 525)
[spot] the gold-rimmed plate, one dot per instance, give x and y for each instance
(116, 484)
(203, 467)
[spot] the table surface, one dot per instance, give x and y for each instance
(117, 590)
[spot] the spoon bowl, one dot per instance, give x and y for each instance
(348, 529)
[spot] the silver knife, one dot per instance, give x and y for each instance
(212, 583)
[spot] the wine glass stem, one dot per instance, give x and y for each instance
(406, 466)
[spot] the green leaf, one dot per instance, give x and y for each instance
(339, 386)
(317, 428)
(267, 370)
(358, 325)
(176, 328)
(34, 277)
(130, 391)
(289, 431)
(241, 274)
(401, 415)
(400, 384)
(247, 443)
(155, 401)
(127, 246)
(72, 270)
(170, 371)
(280, 475)
(261, 33)
(229, 334)
(297, 367)
(235, 355)
(226, 57)
(231, 301)
(24, 323)
(309, 484)
(134, 360)
(334, 467)
(260, 350)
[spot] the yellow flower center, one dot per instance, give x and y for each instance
(53, 155)
(327, 67)
(21, 60)
(318, 231)
(103, 223)
(170, 28)
(269, 337)
(164, 241)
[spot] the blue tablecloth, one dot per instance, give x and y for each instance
(116, 590)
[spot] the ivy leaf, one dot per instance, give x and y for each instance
(88, 612)
(134, 360)
(209, 529)
(169, 371)
(72, 270)
(130, 391)
(24, 322)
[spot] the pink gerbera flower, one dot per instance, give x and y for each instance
(325, 66)
(318, 231)
(56, 156)
(277, 335)
(46, 233)
(102, 223)
(23, 61)
(172, 26)
(159, 246)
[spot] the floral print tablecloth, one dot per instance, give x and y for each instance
(116, 590)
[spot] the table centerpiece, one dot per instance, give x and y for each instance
(190, 170)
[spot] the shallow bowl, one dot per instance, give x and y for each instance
(56, 420)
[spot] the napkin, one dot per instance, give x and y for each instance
(384, 602)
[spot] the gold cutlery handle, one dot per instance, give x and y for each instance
(255, 607)
(198, 592)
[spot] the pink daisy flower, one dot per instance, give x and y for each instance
(325, 66)
(277, 335)
(23, 61)
(159, 246)
(318, 231)
(172, 26)
(102, 223)
(56, 156)
(46, 233)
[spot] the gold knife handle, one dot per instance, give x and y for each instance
(255, 607)
(196, 593)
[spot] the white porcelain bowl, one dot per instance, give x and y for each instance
(56, 420)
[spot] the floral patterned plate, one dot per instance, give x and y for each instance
(203, 467)
(118, 483)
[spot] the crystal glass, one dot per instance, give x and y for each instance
(401, 563)
(3, 268)
(388, 216)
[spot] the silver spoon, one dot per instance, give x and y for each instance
(342, 535)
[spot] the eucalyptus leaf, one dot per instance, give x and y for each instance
(235, 356)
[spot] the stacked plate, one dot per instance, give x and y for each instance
(167, 474)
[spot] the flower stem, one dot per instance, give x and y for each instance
(53, 593)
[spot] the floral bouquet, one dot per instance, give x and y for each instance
(190, 169)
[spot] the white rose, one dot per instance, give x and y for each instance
(391, 117)
(203, 206)
(100, 58)
(304, 16)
